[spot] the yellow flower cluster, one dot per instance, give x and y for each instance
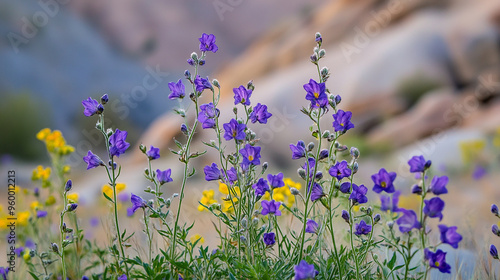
(39, 173)
(282, 194)
(197, 237)
(108, 190)
(471, 150)
(54, 141)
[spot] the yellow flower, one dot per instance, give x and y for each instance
(17, 189)
(223, 188)
(291, 184)
(40, 173)
(107, 190)
(198, 238)
(42, 134)
(66, 150)
(207, 199)
(1, 208)
(66, 169)
(72, 197)
(496, 138)
(50, 200)
(409, 202)
(3, 223)
(470, 150)
(120, 187)
(35, 205)
(227, 206)
(355, 208)
(22, 218)
(27, 256)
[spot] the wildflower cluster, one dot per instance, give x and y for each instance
(321, 225)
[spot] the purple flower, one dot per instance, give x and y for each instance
(178, 90)
(122, 277)
(19, 251)
(164, 176)
(438, 185)
(390, 204)
(362, 228)
(30, 244)
(94, 221)
(269, 238)
(316, 94)
(235, 130)
(270, 207)
(311, 226)
(408, 221)
(212, 172)
(261, 187)
(242, 95)
(345, 187)
(41, 213)
(137, 202)
(251, 155)
(494, 209)
(68, 185)
(345, 216)
(418, 164)
(85, 277)
(4, 271)
(450, 236)
(384, 181)
(202, 84)
(479, 172)
(340, 170)
(298, 150)
(232, 175)
(117, 143)
(433, 208)
(91, 107)
(437, 260)
(207, 43)
(317, 192)
(304, 271)
(342, 121)
(207, 115)
(153, 153)
(358, 194)
(276, 181)
(493, 251)
(71, 207)
(92, 160)
(260, 114)
(309, 166)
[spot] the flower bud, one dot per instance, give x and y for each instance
(244, 222)
(190, 62)
(338, 99)
(322, 53)
(494, 252)
(390, 224)
(354, 152)
(325, 71)
(64, 227)
(192, 96)
(318, 37)
(142, 148)
(187, 74)
(310, 146)
(71, 207)
(104, 99)
(109, 132)
(294, 191)
(302, 173)
(494, 209)
(376, 218)
(250, 85)
(369, 210)
(243, 239)
(184, 129)
(36, 192)
(194, 56)
(235, 110)
(215, 206)
(68, 186)
(326, 134)
(416, 189)
(168, 201)
(314, 58)
(201, 62)
(495, 230)
(319, 175)
(255, 221)
(427, 164)
(100, 109)
(54, 248)
(323, 154)
(345, 216)
(355, 167)
(215, 82)
(264, 166)
(146, 171)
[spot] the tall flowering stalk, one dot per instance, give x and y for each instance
(116, 145)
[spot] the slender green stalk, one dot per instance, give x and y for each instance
(150, 238)
(408, 259)
(61, 230)
(354, 253)
(422, 220)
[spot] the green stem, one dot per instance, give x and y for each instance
(354, 254)
(62, 236)
(150, 240)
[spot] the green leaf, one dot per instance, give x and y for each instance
(107, 197)
(392, 262)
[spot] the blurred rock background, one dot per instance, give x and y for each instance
(421, 77)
